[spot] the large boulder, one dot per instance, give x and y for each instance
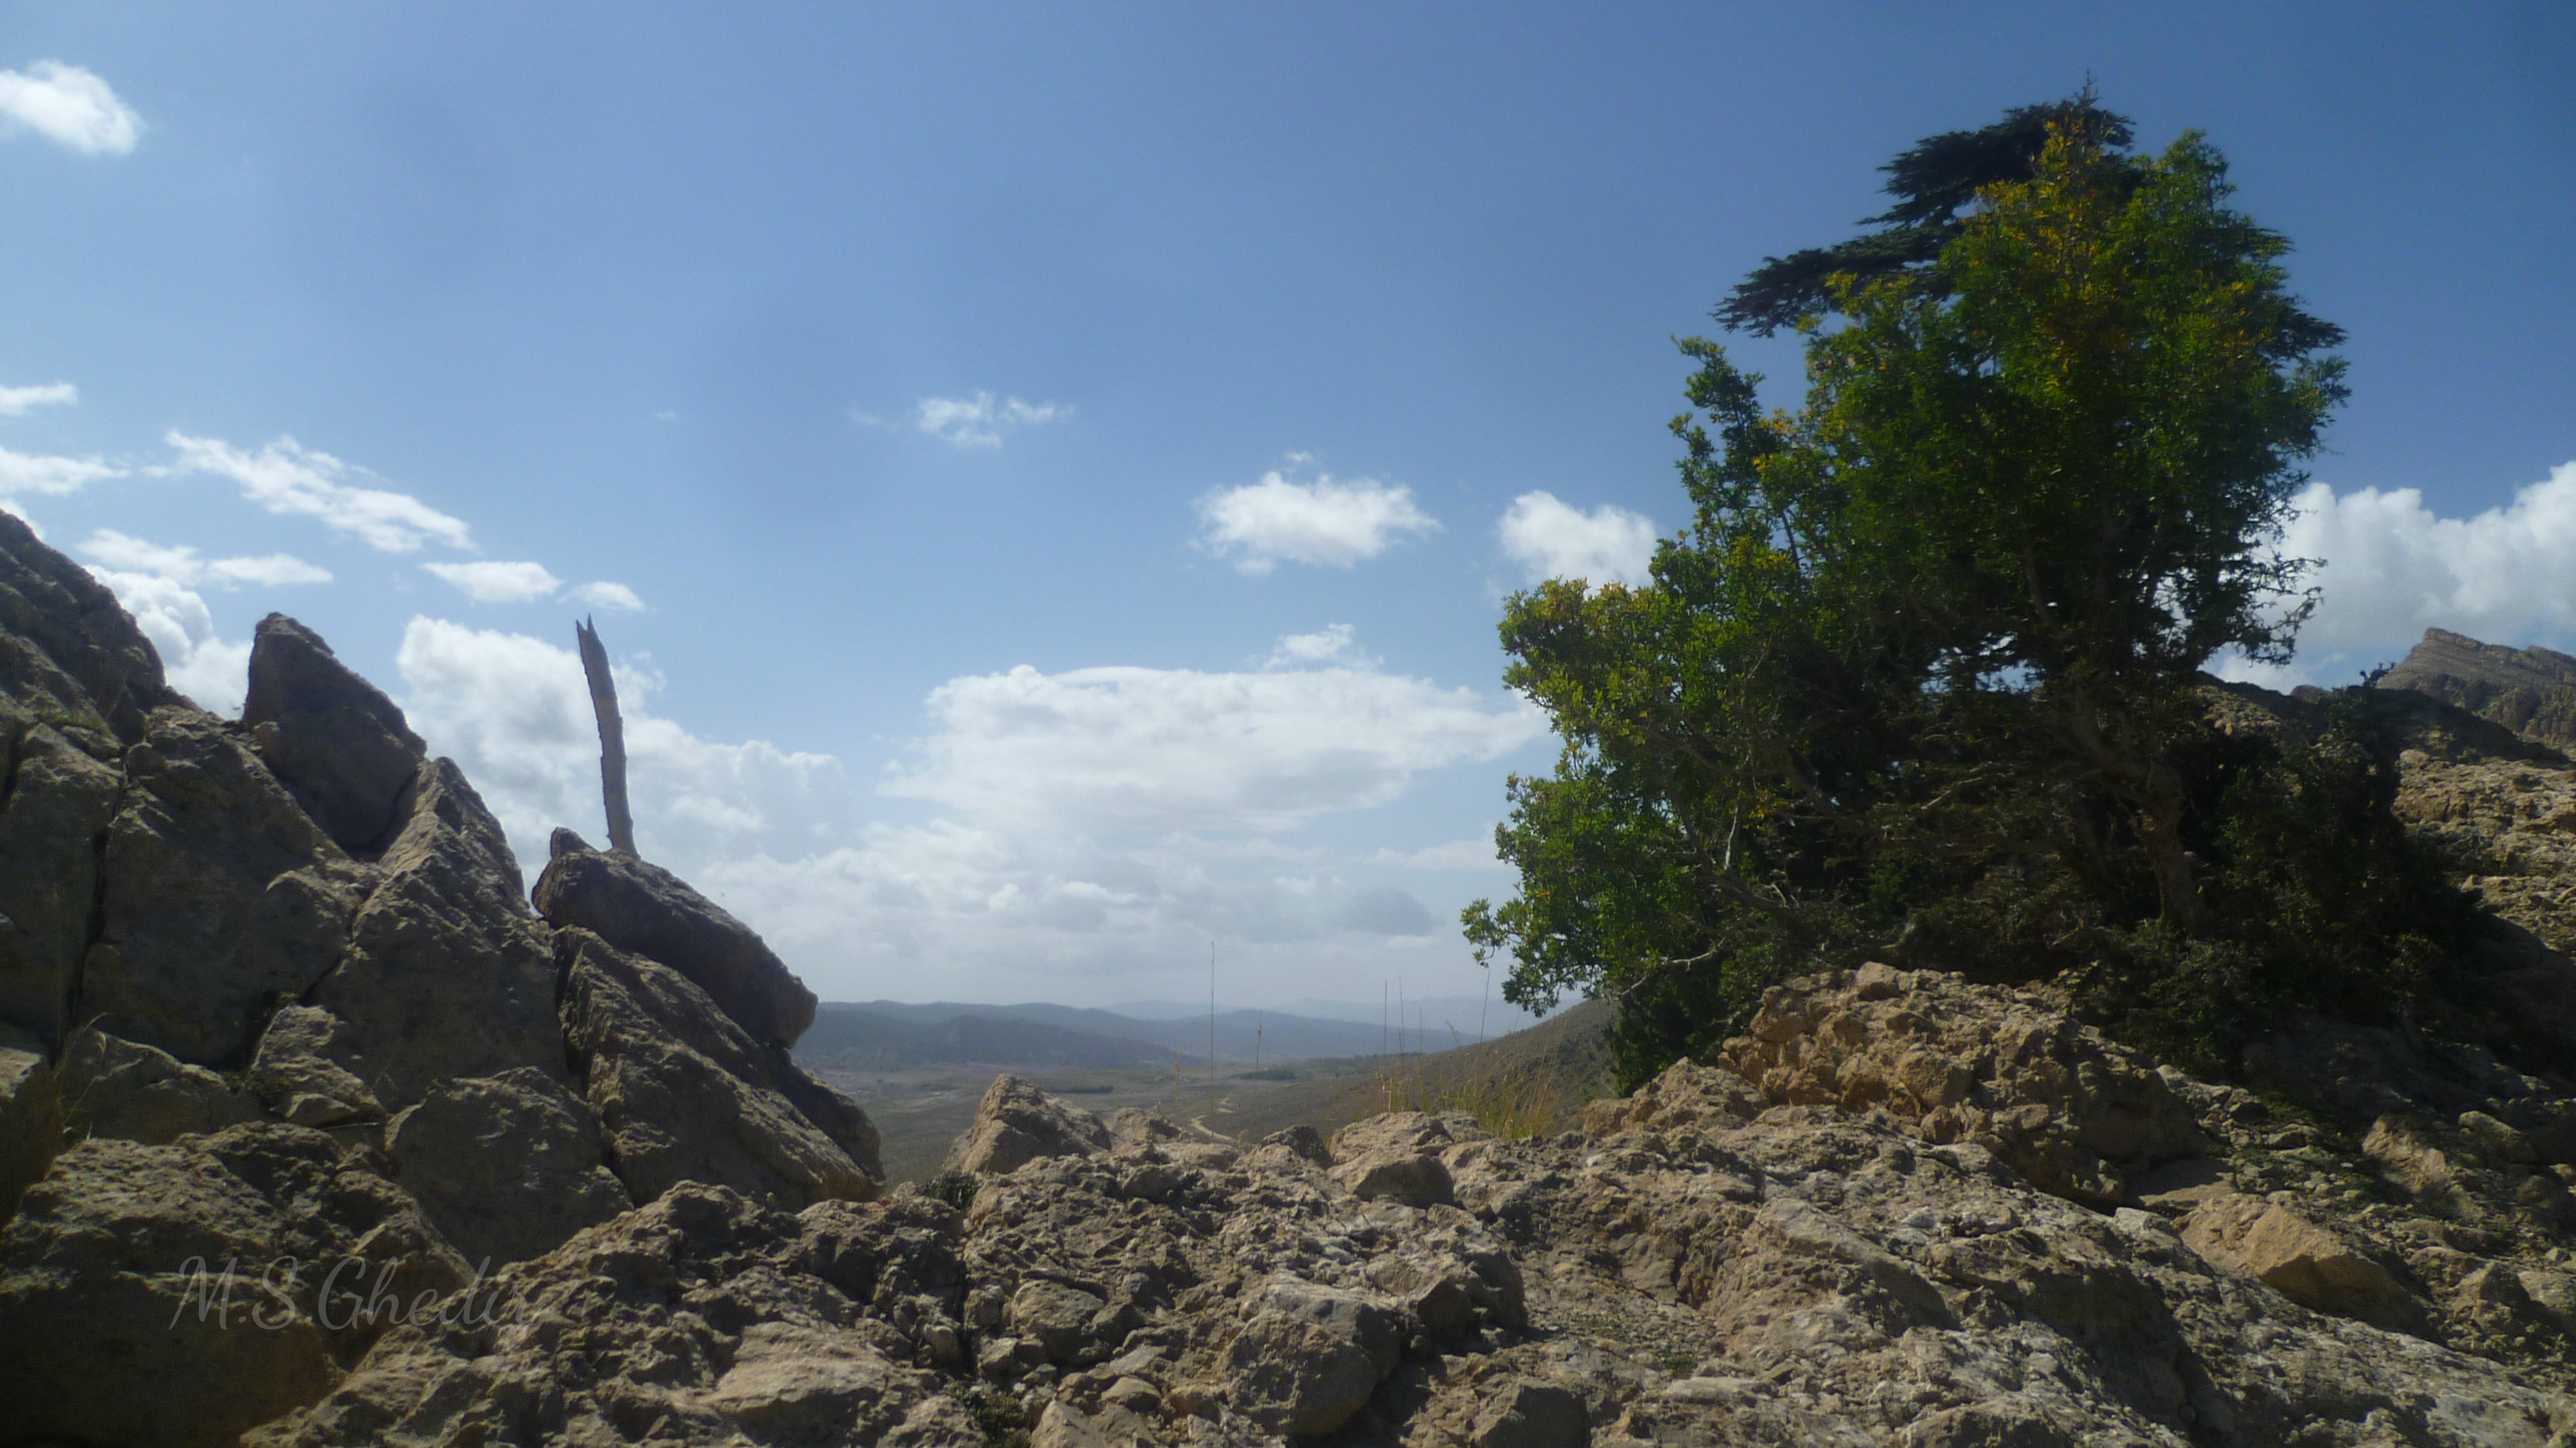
(683, 1092)
(447, 974)
(124, 1089)
(53, 821)
(70, 655)
(1309, 1357)
(2305, 1262)
(505, 1167)
(340, 746)
(1016, 1124)
(2074, 1113)
(31, 1117)
(221, 896)
(646, 910)
(1397, 1157)
(179, 1294)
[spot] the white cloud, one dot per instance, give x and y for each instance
(1333, 641)
(1549, 539)
(19, 401)
(1476, 853)
(977, 421)
(36, 473)
(1177, 749)
(285, 477)
(1090, 831)
(1324, 523)
(515, 712)
(2392, 568)
(495, 582)
(181, 564)
(70, 107)
(198, 664)
(604, 594)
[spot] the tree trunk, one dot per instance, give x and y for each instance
(612, 738)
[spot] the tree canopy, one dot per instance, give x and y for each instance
(1922, 680)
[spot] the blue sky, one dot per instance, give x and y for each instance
(1064, 456)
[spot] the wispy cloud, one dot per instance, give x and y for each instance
(604, 594)
(1330, 644)
(979, 421)
(1550, 539)
(39, 473)
(19, 401)
(495, 582)
(285, 477)
(68, 106)
(181, 564)
(1325, 523)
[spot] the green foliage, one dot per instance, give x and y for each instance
(1922, 680)
(956, 1188)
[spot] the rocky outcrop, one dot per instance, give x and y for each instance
(334, 740)
(447, 974)
(2530, 691)
(31, 1116)
(220, 896)
(180, 1294)
(70, 657)
(647, 910)
(57, 795)
(2070, 1111)
(505, 1167)
(124, 1089)
(1016, 1124)
(685, 1094)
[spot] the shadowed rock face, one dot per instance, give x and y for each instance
(337, 743)
(649, 911)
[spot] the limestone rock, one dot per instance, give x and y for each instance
(505, 1167)
(221, 896)
(53, 820)
(2308, 1264)
(339, 745)
(118, 1088)
(777, 1343)
(677, 1089)
(31, 1117)
(646, 910)
(177, 1294)
(1016, 1124)
(1397, 1157)
(303, 1070)
(1309, 1357)
(446, 975)
(1533, 1415)
(69, 655)
(2069, 1110)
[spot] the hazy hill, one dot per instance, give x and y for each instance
(1084, 1037)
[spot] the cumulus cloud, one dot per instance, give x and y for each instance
(495, 582)
(285, 477)
(1179, 749)
(200, 665)
(19, 401)
(1082, 827)
(604, 594)
(68, 106)
(2391, 567)
(980, 420)
(515, 712)
(1333, 641)
(181, 564)
(1325, 523)
(1550, 539)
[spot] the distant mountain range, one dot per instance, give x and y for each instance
(888, 1035)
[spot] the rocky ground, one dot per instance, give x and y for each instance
(313, 1132)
